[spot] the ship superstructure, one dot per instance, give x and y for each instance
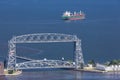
(67, 15)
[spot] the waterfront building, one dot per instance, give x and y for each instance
(108, 68)
(1, 68)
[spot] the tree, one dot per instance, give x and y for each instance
(114, 62)
(92, 62)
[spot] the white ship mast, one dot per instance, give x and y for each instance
(80, 12)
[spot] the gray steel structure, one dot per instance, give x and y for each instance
(44, 38)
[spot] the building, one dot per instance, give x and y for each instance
(108, 68)
(1, 68)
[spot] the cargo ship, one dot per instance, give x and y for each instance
(67, 15)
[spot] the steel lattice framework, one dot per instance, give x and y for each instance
(44, 64)
(43, 38)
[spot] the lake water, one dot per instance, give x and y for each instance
(99, 32)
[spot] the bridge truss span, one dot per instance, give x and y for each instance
(43, 38)
(44, 64)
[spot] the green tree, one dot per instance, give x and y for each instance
(92, 62)
(114, 62)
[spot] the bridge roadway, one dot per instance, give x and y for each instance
(34, 64)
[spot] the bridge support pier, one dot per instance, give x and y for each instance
(12, 55)
(78, 55)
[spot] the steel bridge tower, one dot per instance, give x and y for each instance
(44, 38)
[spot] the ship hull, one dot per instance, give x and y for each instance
(73, 17)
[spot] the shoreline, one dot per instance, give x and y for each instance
(18, 72)
(96, 71)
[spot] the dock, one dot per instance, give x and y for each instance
(91, 69)
(18, 72)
